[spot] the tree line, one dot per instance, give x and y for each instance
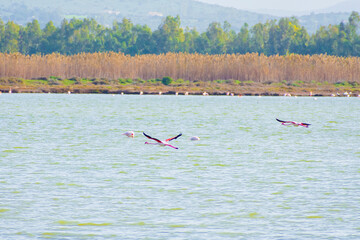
(275, 37)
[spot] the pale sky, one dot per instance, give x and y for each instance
(291, 5)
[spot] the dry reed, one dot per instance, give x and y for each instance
(248, 67)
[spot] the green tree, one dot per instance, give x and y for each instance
(170, 36)
(11, 37)
(343, 41)
(202, 44)
(281, 36)
(191, 36)
(299, 41)
(50, 42)
(217, 38)
(353, 28)
(353, 25)
(349, 41)
(241, 43)
(259, 35)
(2, 33)
(30, 38)
(110, 41)
(144, 42)
(123, 32)
(324, 40)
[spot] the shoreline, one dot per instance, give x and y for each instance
(199, 88)
(198, 93)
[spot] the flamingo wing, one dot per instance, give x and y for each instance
(305, 124)
(155, 139)
(169, 139)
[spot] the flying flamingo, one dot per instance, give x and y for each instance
(162, 143)
(129, 134)
(288, 123)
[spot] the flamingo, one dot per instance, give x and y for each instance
(129, 134)
(162, 143)
(288, 123)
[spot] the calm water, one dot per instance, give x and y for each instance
(66, 172)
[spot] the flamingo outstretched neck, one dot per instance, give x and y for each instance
(288, 123)
(162, 143)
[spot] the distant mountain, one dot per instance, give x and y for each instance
(346, 6)
(193, 14)
(313, 22)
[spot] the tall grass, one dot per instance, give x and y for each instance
(248, 67)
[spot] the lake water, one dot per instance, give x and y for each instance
(66, 172)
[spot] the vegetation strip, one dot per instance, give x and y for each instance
(283, 36)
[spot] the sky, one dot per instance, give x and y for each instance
(290, 5)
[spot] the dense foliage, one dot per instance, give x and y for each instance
(273, 37)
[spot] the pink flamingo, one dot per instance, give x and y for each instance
(162, 143)
(288, 123)
(129, 134)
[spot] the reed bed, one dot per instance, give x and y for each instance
(192, 67)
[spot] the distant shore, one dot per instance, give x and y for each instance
(194, 88)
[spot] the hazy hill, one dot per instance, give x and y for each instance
(192, 13)
(346, 6)
(150, 12)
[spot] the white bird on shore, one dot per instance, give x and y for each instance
(129, 134)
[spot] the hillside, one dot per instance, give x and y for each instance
(193, 14)
(345, 6)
